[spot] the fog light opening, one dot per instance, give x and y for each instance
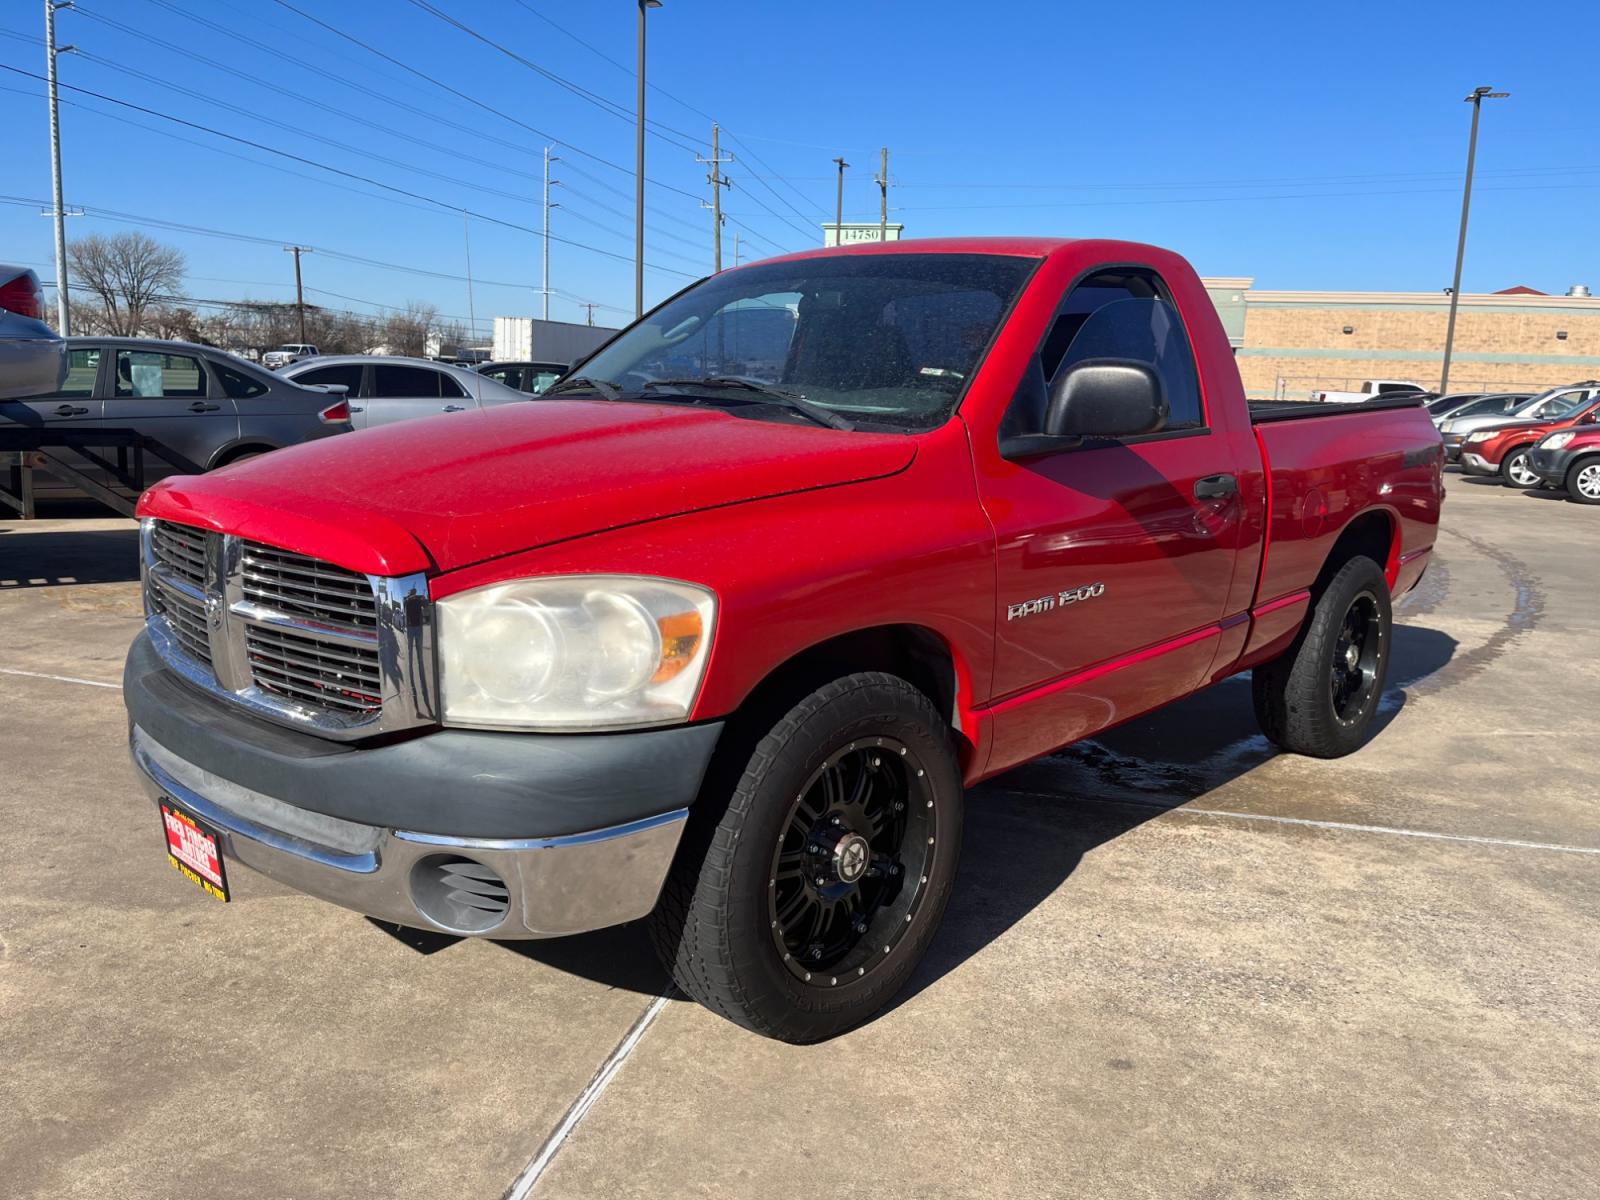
(459, 894)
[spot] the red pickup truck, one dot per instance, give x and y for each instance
(719, 629)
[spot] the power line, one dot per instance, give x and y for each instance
(334, 170)
(149, 222)
(599, 101)
(732, 136)
(301, 98)
(549, 137)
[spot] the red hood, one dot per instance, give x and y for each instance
(449, 491)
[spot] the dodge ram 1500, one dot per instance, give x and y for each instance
(718, 630)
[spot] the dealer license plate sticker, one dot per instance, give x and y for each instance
(195, 850)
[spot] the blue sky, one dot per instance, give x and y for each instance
(1309, 145)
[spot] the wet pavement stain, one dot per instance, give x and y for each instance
(1526, 612)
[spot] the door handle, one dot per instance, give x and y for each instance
(455, 408)
(358, 408)
(67, 410)
(1215, 487)
(202, 406)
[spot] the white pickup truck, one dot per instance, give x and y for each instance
(1369, 388)
(290, 352)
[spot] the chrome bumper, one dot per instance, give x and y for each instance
(552, 885)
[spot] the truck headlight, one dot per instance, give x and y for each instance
(573, 652)
(1474, 438)
(1557, 441)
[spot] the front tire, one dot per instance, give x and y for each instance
(1320, 696)
(1515, 471)
(1583, 481)
(799, 906)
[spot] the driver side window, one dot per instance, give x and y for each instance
(1122, 313)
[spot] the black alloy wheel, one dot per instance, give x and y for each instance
(1320, 697)
(1353, 672)
(817, 861)
(851, 862)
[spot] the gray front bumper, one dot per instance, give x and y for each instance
(555, 885)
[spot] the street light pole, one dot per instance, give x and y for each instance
(638, 175)
(1476, 100)
(63, 312)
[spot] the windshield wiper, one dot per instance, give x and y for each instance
(609, 390)
(775, 395)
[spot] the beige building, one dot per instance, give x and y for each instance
(1293, 343)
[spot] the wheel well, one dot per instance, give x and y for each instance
(917, 655)
(1372, 535)
(234, 453)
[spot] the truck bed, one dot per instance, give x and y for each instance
(1262, 411)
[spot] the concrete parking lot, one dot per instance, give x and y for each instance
(1176, 965)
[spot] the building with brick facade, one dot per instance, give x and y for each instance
(1292, 343)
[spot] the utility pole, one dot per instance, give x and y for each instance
(299, 291)
(1479, 95)
(838, 208)
(63, 312)
(548, 159)
(590, 305)
(717, 182)
(736, 247)
(638, 173)
(883, 198)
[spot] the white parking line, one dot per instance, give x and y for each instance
(59, 678)
(1343, 826)
(525, 1182)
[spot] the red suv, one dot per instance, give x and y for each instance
(1570, 459)
(1502, 449)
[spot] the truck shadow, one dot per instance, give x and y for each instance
(1027, 831)
(63, 558)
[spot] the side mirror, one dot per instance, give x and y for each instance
(1106, 397)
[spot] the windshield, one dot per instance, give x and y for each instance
(884, 340)
(1551, 404)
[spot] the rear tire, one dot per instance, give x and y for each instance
(1515, 471)
(740, 923)
(1583, 481)
(1320, 696)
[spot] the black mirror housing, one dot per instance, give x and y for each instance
(1106, 397)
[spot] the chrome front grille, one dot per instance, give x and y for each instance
(294, 638)
(307, 587)
(182, 550)
(306, 669)
(186, 615)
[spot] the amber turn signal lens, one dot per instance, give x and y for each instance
(680, 638)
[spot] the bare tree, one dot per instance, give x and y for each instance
(407, 331)
(129, 274)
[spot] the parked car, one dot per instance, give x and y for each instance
(1369, 389)
(1503, 449)
(726, 649)
(1570, 459)
(530, 377)
(387, 389)
(1551, 404)
(1474, 404)
(31, 353)
(290, 352)
(209, 406)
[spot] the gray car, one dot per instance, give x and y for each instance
(385, 389)
(207, 405)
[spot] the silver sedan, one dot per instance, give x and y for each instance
(382, 390)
